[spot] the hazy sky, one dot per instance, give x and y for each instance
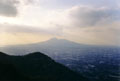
(83, 21)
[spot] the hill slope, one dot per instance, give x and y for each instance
(35, 66)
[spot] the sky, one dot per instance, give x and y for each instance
(83, 21)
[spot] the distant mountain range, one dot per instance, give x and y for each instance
(35, 66)
(53, 47)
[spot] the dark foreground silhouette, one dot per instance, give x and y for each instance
(35, 66)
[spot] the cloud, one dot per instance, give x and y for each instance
(87, 16)
(8, 28)
(92, 25)
(8, 8)
(102, 35)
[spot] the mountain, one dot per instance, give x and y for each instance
(35, 66)
(47, 47)
(55, 47)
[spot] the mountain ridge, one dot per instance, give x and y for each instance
(35, 66)
(57, 40)
(53, 43)
(49, 40)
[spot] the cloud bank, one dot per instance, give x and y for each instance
(8, 8)
(87, 16)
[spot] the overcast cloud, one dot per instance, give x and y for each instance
(12, 28)
(8, 8)
(87, 16)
